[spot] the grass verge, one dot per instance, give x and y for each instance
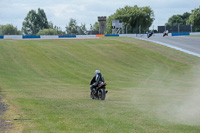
(151, 87)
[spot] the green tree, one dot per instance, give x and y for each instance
(82, 29)
(50, 32)
(185, 17)
(50, 25)
(58, 30)
(175, 20)
(95, 26)
(35, 22)
(42, 23)
(133, 18)
(9, 29)
(178, 19)
(72, 27)
(109, 24)
(194, 19)
(47, 32)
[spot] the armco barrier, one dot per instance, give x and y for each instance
(67, 36)
(1, 37)
(127, 35)
(180, 34)
(85, 36)
(112, 35)
(30, 36)
(49, 36)
(12, 36)
(195, 33)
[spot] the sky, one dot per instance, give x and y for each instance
(86, 12)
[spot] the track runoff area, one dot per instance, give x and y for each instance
(189, 45)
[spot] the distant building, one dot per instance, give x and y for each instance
(102, 24)
(117, 27)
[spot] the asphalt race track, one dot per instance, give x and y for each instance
(191, 44)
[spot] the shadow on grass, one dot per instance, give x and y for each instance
(4, 124)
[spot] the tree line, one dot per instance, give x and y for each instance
(186, 18)
(134, 19)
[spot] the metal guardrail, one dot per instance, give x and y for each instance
(88, 36)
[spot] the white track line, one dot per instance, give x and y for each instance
(171, 46)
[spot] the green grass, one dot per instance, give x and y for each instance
(46, 84)
(193, 36)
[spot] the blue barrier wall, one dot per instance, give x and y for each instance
(29, 36)
(180, 34)
(1, 37)
(112, 35)
(67, 36)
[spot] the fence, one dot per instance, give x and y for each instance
(179, 29)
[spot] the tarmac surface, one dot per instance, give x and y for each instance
(189, 44)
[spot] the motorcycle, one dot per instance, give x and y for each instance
(150, 34)
(99, 92)
(165, 34)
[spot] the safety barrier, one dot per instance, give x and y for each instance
(88, 36)
(180, 34)
(112, 35)
(67, 36)
(53, 36)
(195, 33)
(127, 35)
(85, 36)
(100, 35)
(12, 36)
(49, 36)
(30, 36)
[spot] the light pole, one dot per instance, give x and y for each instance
(178, 28)
(16, 31)
(2, 30)
(91, 29)
(140, 29)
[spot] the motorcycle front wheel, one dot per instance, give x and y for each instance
(102, 94)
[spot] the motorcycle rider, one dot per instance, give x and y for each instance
(98, 77)
(150, 34)
(165, 33)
